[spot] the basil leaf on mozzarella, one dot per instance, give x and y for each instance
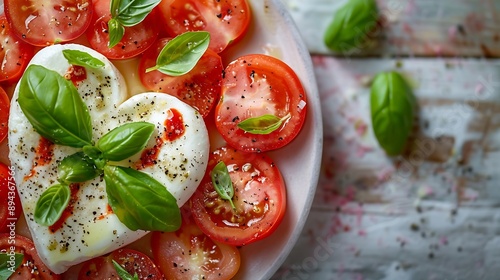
(125, 141)
(139, 201)
(54, 107)
(77, 168)
(80, 58)
(51, 204)
(181, 54)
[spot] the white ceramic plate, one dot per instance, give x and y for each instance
(273, 32)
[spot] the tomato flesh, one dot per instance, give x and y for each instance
(199, 88)
(190, 254)
(131, 260)
(259, 198)
(14, 53)
(32, 266)
(254, 86)
(226, 20)
(136, 39)
(48, 22)
(4, 113)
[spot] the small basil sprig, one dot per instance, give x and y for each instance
(122, 273)
(8, 265)
(180, 55)
(139, 201)
(222, 182)
(51, 204)
(81, 58)
(263, 125)
(127, 13)
(54, 107)
(77, 168)
(393, 106)
(351, 24)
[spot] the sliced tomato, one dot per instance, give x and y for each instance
(4, 113)
(226, 20)
(254, 86)
(14, 54)
(131, 260)
(189, 254)
(32, 266)
(10, 204)
(199, 88)
(48, 22)
(259, 199)
(136, 39)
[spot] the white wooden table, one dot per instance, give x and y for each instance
(434, 212)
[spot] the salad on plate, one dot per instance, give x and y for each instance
(144, 138)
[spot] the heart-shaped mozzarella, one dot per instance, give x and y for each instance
(92, 229)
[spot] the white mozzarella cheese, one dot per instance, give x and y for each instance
(92, 229)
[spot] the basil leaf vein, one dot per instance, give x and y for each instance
(9, 262)
(139, 201)
(51, 204)
(222, 182)
(125, 141)
(181, 54)
(81, 58)
(54, 107)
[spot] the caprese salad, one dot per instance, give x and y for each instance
(134, 151)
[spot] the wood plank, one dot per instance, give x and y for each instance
(411, 27)
(432, 212)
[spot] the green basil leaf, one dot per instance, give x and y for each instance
(122, 273)
(132, 12)
(54, 107)
(351, 25)
(76, 57)
(77, 168)
(262, 125)
(51, 204)
(222, 182)
(393, 106)
(139, 201)
(180, 55)
(115, 31)
(125, 141)
(9, 262)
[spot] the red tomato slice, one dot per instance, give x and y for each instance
(259, 198)
(226, 20)
(4, 113)
(32, 266)
(48, 22)
(136, 39)
(133, 261)
(254, 86)
(190, 254)
(199, 88)
(10, 204)
(14, 54)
